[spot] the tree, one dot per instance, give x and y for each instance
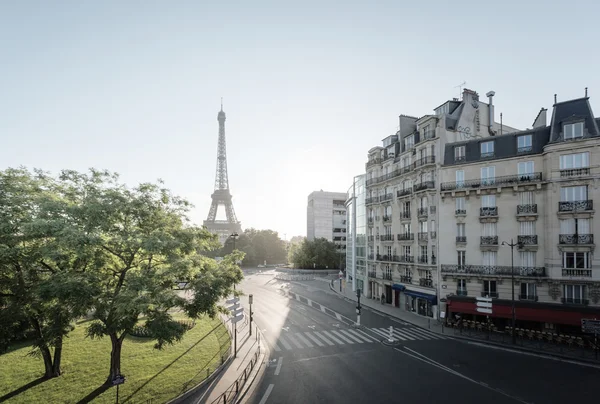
(259, 246)
(294, 244)
(319, 253)
(43, 282)
(145, 246)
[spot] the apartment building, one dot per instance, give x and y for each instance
(402, 198)
(326, 217)
(536, 190)
(356, 240)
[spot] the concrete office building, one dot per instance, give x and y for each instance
(537, 188)
(403, 196)
(326, 217)
(356, 240)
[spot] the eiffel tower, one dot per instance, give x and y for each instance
(221, 195)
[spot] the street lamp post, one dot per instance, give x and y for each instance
(512, 282)
(234, 236)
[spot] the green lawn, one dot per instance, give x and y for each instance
(151, 374)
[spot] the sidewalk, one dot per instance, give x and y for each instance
(235, 380)
(468, 335)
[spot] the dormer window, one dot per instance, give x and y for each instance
(573, 130)
(487, 149)
(409, 142)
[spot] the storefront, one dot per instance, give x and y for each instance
(420, 303)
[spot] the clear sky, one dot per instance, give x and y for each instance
(308, 86)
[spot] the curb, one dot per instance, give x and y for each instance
(258, 374)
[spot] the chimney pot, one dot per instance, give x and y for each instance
(555, 98)
(586, 92)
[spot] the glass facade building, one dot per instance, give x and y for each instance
(356, 240)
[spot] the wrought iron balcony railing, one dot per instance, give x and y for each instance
(371, 256)
(539, 272)
(489, 240)
(407, 258)
(433, 234)
(423, 235)
(386, 197)
(506, 180)
(405, 279)
(488, 212)
(371, 238)
(460, 212)
(575, 172)
(387, 218)
(531, 298)
(422, 212)
(528, 209)
(575, 206)
(458, 159)
(487, 155)
(461, 239)
(432, 209)
(528, 240)
(576, 239)
(423, 259)
(571, 300)
(372, 199)
(372, 274)
(433, 260)
(428, 283)
(387, 276)
(405, 214)
(580, 273)
(371, 219)
(461, 292)
(406, 236)
(524, 149)
(424, 161)
(387, 237)
(423, 185)
(487, 293)
(403, 192)
(373, 162)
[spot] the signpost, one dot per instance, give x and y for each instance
(358, 308)
(250, 298)
(237, 314)
(340, 274)
(118, 380)
(484, 305)
(591, 326)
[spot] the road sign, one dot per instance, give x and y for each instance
(484, 305)
(237, 311)
(118, 380)
(232, 301)
(590, 325)
(237, 319)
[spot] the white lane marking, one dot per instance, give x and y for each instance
(278, 368)
(423, 358)
(383, 334)
(337, 333)
(275, 346)
(361, 332)
(323, 338)
(418, 334)
(267, 393)
(323, 309)
(333, 338)
(404, 333)
(338, 316)
(284, 343)
(428, 335)
(309, 335)
(303, 339)
(294, 341)
(356, 334)
(352, 337)
(400, 336)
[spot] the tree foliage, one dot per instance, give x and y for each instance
(259, 246)
(319, 253)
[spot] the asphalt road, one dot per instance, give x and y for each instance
(316, 356)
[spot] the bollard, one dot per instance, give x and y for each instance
(236, 387)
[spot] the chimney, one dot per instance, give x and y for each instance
(541, 120)
(490, 95)
(586, 92)
(555, 98)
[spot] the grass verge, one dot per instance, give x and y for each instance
(150, 374)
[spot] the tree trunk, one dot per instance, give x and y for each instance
(115, 358)
(57, 358)
(47, 356)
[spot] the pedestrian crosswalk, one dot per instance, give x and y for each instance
(288, 341)
(408, 334)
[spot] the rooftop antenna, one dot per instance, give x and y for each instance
(460, 86)
(221, 103)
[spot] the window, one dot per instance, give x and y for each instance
(576, 260)
(406, 161)
(525, 169)
(490, 258)
(406, 208)
(576, 160)
(487, 149)
(574, 293)
(407, 184)
(527, 259)
(461, 284)
(461, 205)
(423, 251)
(488, 201)
(526, 198)
(459, 153)
(573, 130)
(528, 291)
(460, 230)
(423, 227)
(489, 289)
(488, 175)
(460, 178)
(524, 144)
(461, 258)
(527, 228)
(575, 226)
(573, 194)
(423, 202)
(389, 251)
(406, 228)
(406, 250)
(409, 142)
(489, 230)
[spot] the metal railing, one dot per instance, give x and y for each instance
(230, 395)
(489, 240)
(461, 239)
(488, 212)
(403, 192)
(575, 172)
(527, 209)
(507, 180)
(422, 212)
(576, 239)
(527, 240)
(494, 270)
(406, 236)
(575, 206)
(423, 185)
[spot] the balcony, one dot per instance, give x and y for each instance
(575, 239)
(387, 237)
(524, 149)
(372, 274)
(461, 292)
(507, 180)
(574, 172)
(423, 186)
(423, 259)
(433, 260)
(576, 206)
(387, 218)
(403, 192)
(487, 293)
(460, 212)
(531, 298)
(386, 197)
(433, 234)
(489, 240)
(572, 300)
(371, 220)
(406, 236)
(405, 279)
(371, 238)
(405, 215)
(488, 212)
(373, 162)
(373, 199)
(529, 209)
(461, 239)
(371, 257)
(528, 240)
(459, 159)
(579, 273)
(530, 272)
(407, 258)
(423, 236)
(387, 276)
(422, 212)
(428, 283)
(423, 161)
